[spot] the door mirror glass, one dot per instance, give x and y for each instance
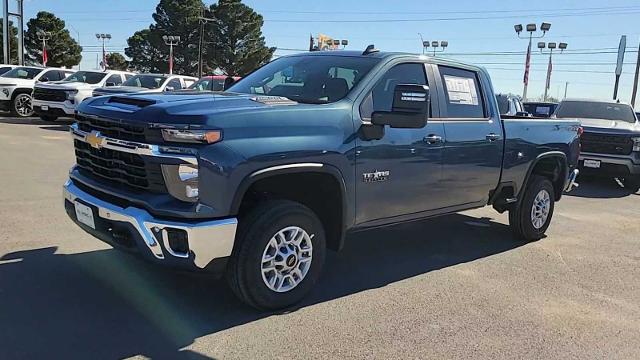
(410, 108)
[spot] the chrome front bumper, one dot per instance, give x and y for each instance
(206, 240)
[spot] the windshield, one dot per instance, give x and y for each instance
(23, 73)
(503, 104)
(208, 84)
(89, 77)
(307, 79)
(596, 110)
(146, 81)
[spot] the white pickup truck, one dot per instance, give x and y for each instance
(148, 83)
(60, 99)
(16, 86)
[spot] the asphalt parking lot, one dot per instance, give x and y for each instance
(454, 287)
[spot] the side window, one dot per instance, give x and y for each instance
(127, 76)
(114, 79)
(462, 93)
(51, 75)
(381, 96)
(175, 84)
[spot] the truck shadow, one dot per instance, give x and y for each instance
(106, 304)
(600, 188)
(58, 125)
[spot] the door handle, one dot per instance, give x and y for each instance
(493, 137)
(432, 139)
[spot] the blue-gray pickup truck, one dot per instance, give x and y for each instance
(260, 180)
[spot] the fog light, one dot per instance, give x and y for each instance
(182, 181)
(178, 240)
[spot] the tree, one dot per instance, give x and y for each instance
(147, 49)
(237, 45)
(62, 49)
(116, 61)
(13, 43)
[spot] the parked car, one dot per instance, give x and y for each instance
(540, 109)
(148, 83)
(4, 68)
(16, 86)
(260, 181)
(213, 83)
(510, 105)
(60, 99)
(611, 139)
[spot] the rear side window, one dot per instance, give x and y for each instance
(174, 84)
(115, 79)
(462, 93)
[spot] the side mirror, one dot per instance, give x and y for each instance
(410, 109)
(44, 79)
(228, 81)
(169, 88)
(110, 84)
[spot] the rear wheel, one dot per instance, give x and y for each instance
(22, 105)
(530, 218)
(48, 118)
(279, 254)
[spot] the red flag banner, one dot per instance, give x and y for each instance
(527, 66)
(45, 58)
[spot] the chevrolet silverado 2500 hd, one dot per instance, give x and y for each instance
(259, 181)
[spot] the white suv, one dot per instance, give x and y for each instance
(148, 83)
(16, 86)
(60, 99)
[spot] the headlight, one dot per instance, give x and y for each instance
(192, 136)
(182, 181)
(71, 94)
(636, 143)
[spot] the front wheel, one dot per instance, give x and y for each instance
(531, 217)
(22, 105)
(279, 254)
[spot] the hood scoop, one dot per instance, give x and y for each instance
(273, 100)
(131, 101)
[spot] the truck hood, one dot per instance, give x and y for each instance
(67, 85)
(610, 126)
(189, 108)
(17, 82)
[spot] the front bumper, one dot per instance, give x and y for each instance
(136, 230)
(54, 108)
(5, 105)
(612, 165)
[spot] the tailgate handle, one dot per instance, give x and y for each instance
(493, 137)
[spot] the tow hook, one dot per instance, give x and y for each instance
(572, 180)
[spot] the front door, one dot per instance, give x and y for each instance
(400, 173)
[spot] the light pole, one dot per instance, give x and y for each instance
(170, 41)
(551, 46)
(434, 45)
(333, 44)
(531, 28)
(44, 36)
(104, 38)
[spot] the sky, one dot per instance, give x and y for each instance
(478, 32)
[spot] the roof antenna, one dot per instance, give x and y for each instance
(370, 50)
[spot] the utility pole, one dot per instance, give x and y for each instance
(44, 36)
(621, 51)
(531, 28)
(203, 21)
(170, 41)
(6, 35)
(104, 37)
(566, 86)
(635, 81)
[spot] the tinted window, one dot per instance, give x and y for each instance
(595, 110)
(114, 79)
(23, 73)
(503, 104)
(4, 69)
(51, 75)
(146, 81)
(462, 93)
(174, 84)
(382, 94)
(89, 77)
(307, 79)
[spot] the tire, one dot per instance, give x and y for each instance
(49, 118)
(21, 105)
(255, 239)
(521, 218)
(631, 183)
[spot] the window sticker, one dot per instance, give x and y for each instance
(461, 90)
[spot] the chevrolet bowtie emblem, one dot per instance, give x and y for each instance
(95, 140)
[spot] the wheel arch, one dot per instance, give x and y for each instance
(281, 180)
(551, 164)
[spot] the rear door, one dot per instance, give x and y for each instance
(472, 157)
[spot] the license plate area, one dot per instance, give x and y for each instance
(45, 107)
(593, 164)
(84, 214)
